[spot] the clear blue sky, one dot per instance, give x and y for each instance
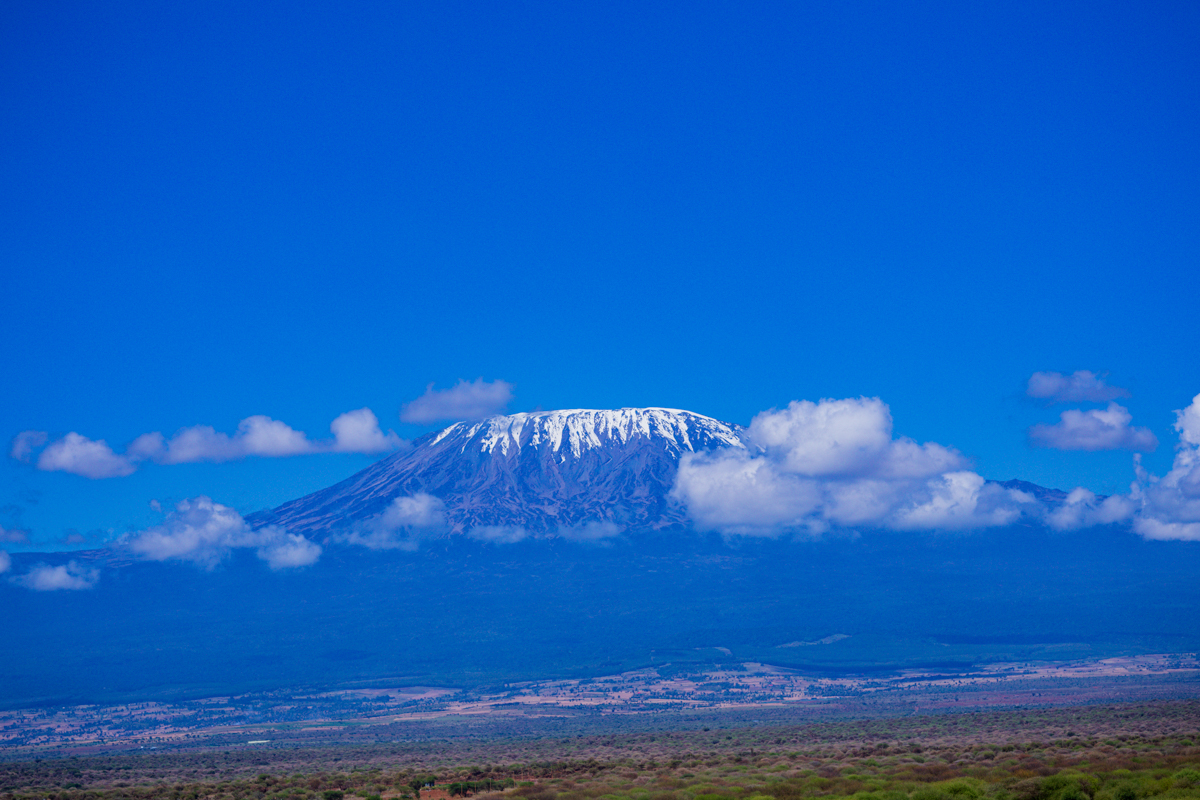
(215, 210)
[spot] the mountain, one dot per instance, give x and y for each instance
(460, 610)
(542, 471)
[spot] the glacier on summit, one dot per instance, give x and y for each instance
(544, 472)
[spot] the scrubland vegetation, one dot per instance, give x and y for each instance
(1119, 752)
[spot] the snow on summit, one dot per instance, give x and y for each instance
(584, 429)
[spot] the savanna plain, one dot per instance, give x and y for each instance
(1056, 738)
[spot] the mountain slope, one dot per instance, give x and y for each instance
(541, 471)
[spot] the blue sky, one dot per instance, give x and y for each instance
(214, 211)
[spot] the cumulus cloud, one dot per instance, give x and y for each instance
(353, 432)
(289, 551)
(1078, 387)
(5, 561)
(70, 577)
(255, 436)
(1083, 509)
(402, 525)
(835, 463)
(359, 432)
(80, 455)
(1169, 507)
(1166, 507)
(1097, 429)
(204, 533)
(463, 401)
(25, 443)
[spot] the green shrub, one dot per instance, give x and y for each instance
(1186, 778)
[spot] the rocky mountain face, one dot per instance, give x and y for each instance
(542, 471)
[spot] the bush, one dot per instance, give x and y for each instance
(1186, 778)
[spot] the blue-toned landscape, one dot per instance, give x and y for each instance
(532, 401)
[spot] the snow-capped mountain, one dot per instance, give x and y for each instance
(542, 471)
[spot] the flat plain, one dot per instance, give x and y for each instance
(1112, 729)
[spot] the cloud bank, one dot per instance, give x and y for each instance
(1169, 507)
(353, 432)
(5, 561)
(1078, 387)
(463, 401)
(1097, 429)
(812, 466)
(205, 533)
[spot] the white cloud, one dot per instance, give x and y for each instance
(359, 432)
(733, 492)
(204, 532)
(498, 534)
(836, 463)
(1078, 387)
(1166, 507)
(80, 455)
(1097, 429)
(25, 442)
(845, 438)
(353, 432)
(463, 401)
(255, 436)
(1082, 509)
(71, 577)
(288, 551)
(1187, 422)
(5, 561)
(402, 525)
(1169, 507)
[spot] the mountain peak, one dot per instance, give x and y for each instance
(541, 471)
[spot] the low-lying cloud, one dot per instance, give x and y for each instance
(1078, 387)
(353, 432)
(1096, 429)
(204, 533)
(1169, 507)
(65, 577)
(812, 466)
(5, 561)
(1083, 509)
(464, 401)
(403, 525)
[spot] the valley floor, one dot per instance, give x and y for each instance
(680, 695)
(1125, 751)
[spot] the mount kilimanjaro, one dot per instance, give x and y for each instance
(457, 610)
(542, 471)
